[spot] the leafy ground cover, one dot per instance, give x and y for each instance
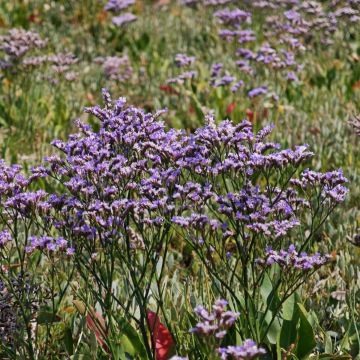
(204, 204)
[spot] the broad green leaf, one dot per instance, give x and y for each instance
(289, 326)
(268, 293)
(133, 337)
(273, 330)
(306, 335)
(288, 308)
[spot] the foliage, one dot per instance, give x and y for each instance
(138, 238)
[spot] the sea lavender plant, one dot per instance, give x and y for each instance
(130, 189)
(213, 328)
(116, 204)
(19, 41)
(215, 323)
(183, 60)
(232, 217)
(116, 68)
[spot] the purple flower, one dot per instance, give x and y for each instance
(116, 68)
(216, 69)
(233, 17)
(237, 86)
(223, 81)
(19, 41)
(70, 251)
(182, 60)
(5, 237)
(257, 91)
(247, 351)
(180, 79)
(292, 260)
(124, 19)
(118, 5)
(215, 323)
(291, 76)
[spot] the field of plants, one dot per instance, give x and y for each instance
(180, 179)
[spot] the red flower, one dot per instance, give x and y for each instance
(230, 108)
(250, 115)
(168, 89)
(263, 115)
(160, 337)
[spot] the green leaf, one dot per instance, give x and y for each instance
(328, 343)
(268, 293)
(306, 335)
(130, 340)
(68, 341)
(289, 308)
(289, 326)
(274, 329)
(143, 41)
(47, 317)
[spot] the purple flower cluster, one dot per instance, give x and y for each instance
(292, 23)
(257, 91)
(183, 60)
(50, 244)
(242, 36)
(118, 6)
(228, 190)
(19, 41)
(5, 237)
(247, 351)
(288, 30)
(124, 19)
(234, 17)
(215, 323)
(331, 184)
(217, 2)
(133, 172)
(116, 68)
(61, 65)
(218, 80)
(180, 79)
(292, 260)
